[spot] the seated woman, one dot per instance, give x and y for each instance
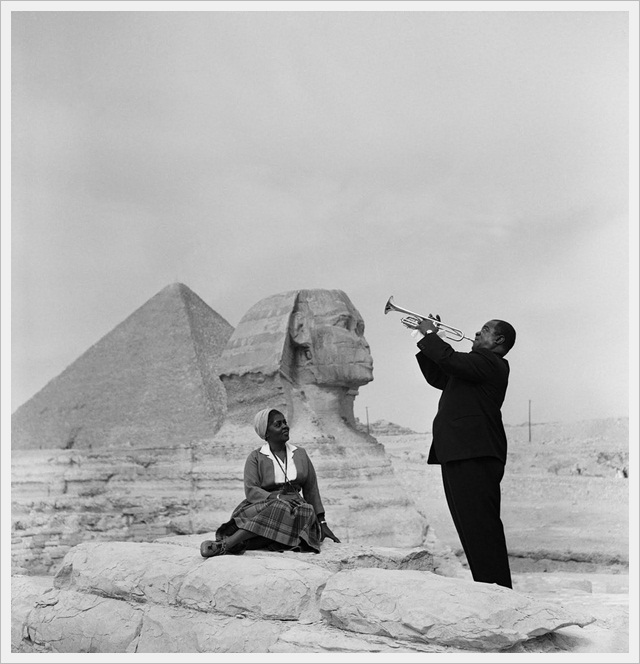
(274, 515)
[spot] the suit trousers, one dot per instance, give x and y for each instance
(472, 489)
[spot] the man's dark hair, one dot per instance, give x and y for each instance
(509, 334)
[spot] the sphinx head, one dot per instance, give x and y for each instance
(327, 335)
(293, 344)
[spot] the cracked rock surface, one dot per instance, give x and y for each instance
(163, 597)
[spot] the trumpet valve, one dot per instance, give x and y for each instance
(411, 322)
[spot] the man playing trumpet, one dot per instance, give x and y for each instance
(469, 441)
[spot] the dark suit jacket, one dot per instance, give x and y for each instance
(468, 423)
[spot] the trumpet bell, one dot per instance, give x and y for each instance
(389, 306)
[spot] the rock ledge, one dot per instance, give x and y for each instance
(163, 597)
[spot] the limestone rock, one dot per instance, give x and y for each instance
(323, 638)
(25, 590)
(432, 557)
(168, 575)
(63, 497)
(421, 606)
(142, 572)
(67, 622)
(78, 622)
(270, 588)
(163, 597)
(170, 630)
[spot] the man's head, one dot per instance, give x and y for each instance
(498, 336)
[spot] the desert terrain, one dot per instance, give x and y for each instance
(565, 507)
(565, 493)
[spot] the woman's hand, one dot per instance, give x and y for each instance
(326, 532)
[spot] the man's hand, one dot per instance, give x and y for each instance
(427, 325)
(326, 532)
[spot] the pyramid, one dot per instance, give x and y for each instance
(152, 381)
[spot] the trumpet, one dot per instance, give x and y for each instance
(412, 320)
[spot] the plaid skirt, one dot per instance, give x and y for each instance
(278, 524)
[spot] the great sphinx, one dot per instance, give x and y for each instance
(146, 434)
(304, 352)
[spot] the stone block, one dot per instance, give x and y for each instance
(166, 630)
(141, 572)
(322, 638)
(263, 586)
(25, 591)
(424, 607)
(67, 622)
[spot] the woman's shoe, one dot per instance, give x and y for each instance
(209, 548)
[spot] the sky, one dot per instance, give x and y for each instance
(471, 163)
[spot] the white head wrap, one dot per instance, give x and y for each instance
(261, 421)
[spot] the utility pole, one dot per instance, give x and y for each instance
(529, 420)
(367, 409)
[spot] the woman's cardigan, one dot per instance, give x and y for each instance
(260, 483)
